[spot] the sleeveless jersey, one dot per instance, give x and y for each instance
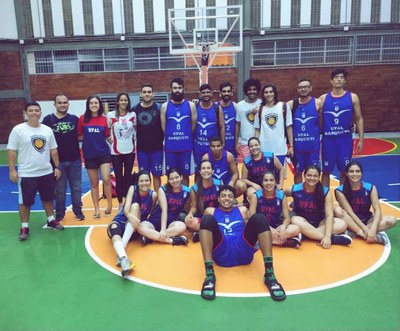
(306, 127)
(145, 202)
(206, 126)
(305, 204)
(270, 207)
(361, 200)
(256, 168)
(123, 132)
(209, 195)
(149, 136)
(337, 115)
(221, 168)
(176, 201)
(229, 120)
(178, 127)
(231, 224)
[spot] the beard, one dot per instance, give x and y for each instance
(177, 96)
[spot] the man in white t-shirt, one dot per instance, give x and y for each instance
(246, 112)
(33, 144)
(275, 125)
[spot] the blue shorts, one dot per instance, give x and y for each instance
(198, 153)
(336, 150)
(151, 162)
(303, 160)
(233, 251)
(29, 186)
(180, 161)
(155, 219)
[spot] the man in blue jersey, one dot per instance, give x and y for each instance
(229, 109)
(210, 123)
(178, 122)
(339, 109)
(229, 239)
(305, 117)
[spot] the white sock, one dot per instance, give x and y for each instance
(127, 233)
(50, 218)
(119, 248)
(24, 225)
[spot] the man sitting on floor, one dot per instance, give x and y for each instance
(229, 240)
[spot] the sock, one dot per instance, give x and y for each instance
(119, 248)
(24, 225)
(269, 268)
(50, 218)
(127, 233)
(209, 269)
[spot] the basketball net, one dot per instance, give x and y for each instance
(205, 55)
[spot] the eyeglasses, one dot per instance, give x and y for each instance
(303, 87)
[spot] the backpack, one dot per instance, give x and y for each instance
(216, 109)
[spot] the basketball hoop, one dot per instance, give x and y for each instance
(205, 53)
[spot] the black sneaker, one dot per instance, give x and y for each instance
(55, 225)
(341, 239)
(196, 237)
(80, 217)
(59, 218)
(292, 242)
(179, 240)
(144, 241)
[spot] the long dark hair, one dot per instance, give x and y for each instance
(168, 186)
(276, 97)
(319, 189)
(268, 172)
(128, 107)
(88, 114)
(199, 193)
(347, 191)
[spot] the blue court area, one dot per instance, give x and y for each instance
(384, 172)
(9, 191)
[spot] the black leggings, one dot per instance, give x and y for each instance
(257, 224)
(122, 165)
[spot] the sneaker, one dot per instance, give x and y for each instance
(196, 237)
(144, 241)
(351, 234)
(80, 217)
(118, 263)
(126, 266)
(292, 242)
(55, 225)
(382, 238)
(179, 240)
(23, 234)
(341, 239)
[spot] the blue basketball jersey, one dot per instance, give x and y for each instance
(337, 115)
(178, 127)
(206, 126)
(306, 127)
(221, 168)
(230, 123)
(176, 201)
(209, 195)
(270, 207)
(361, 201)
(256, 168)
(230, 223)
(145, 202)
(305, 204)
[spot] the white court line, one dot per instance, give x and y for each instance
(375, 266)
(394, 184)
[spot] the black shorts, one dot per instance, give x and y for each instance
(29, 186)
(97, 162)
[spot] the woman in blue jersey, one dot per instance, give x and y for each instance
(206, 195)
(313, 208)
(355, 198)
(255, 165)
(167, 222)
(272, 203)
(94, 133)
(140, 201)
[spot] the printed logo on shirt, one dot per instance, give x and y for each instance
(271, 120)
(250, 116)
(39, 143)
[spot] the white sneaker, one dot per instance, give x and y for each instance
(382, 238)
(126, 266)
